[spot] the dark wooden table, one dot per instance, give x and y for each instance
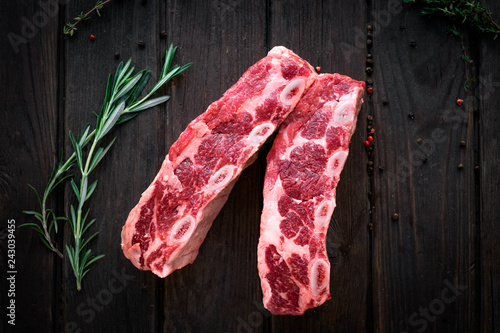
(435, 267)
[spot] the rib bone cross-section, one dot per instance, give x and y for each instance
(165, 229)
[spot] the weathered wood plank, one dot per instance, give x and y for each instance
(28, 137)
(220, 291)
(323, 33)
(434, 268)
(423, 268)
(113, 288)
(489, 180)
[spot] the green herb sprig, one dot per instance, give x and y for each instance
(470, 12)
(469, 81)
(121, 104)
(70, 28)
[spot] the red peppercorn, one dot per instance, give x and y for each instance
(318, 69)
(370, 138)
(369, 90)
(92, 37)
(367, 143)
(460, 101)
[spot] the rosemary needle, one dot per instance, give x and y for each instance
(120, 105)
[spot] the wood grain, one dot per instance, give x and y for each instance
(28, 136)
(220, 291)
(488, 103)
(114, 287)
(428, 249)
(310, 29)
(434, 268)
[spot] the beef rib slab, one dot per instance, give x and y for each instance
(166, 228)
(303, 170)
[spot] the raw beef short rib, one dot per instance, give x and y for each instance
(166, 228)
(303, 170)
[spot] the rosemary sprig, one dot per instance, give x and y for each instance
(470, 12)
(70, 28)
(120, 105)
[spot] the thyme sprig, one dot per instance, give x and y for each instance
(121, 104)
(469, 81)
(470, 12)
(70, 28)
